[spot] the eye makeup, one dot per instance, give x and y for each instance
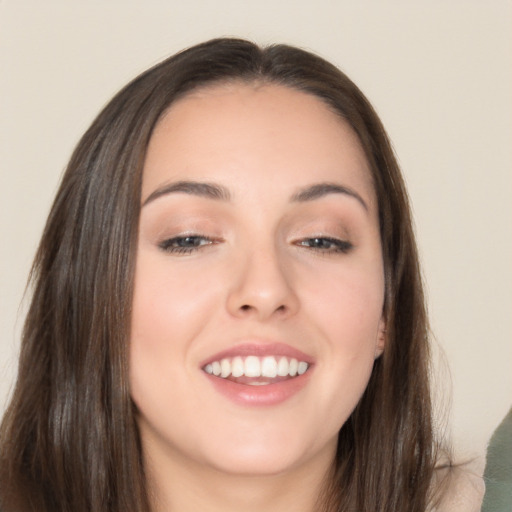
(326, 245)
(186, 243)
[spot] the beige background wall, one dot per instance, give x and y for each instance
(438, 72)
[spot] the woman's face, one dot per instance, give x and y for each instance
(257, 311)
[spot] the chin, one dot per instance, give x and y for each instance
(266, 454)
(258, 464)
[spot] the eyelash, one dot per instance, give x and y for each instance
(334, 244)
(192, 243)
(196, 242)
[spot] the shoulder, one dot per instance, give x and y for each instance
(461, 490)
(464, 493)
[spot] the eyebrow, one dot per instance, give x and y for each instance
(320, 190)
(195, 188)
(218, 192)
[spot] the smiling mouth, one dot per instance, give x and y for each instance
(257, 371)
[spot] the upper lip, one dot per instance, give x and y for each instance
(260, 349)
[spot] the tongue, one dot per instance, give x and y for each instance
(248, 381)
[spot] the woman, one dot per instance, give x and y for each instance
(227, 309)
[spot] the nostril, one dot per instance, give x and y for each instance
(247, 307)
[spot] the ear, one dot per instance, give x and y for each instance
(381, 339)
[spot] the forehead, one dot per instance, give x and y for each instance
(253, 130)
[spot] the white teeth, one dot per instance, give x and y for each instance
(269, 367)
(253, 366)
(225, 368)
(283, 367)
(216, 368)
(237, 367)
(294, 365)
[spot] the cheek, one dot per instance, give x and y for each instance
(348, 304)
(169, 305)
(169, 310)
(353, 326)
(347, 310)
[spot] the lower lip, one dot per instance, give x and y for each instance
(268, 394)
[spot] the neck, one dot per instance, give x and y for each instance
(187, 487)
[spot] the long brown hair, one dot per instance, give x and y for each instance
(69, 440)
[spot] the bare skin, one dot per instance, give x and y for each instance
(259, 229)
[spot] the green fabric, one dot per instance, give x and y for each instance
(498, 469)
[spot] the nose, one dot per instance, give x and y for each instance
(262, 287)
